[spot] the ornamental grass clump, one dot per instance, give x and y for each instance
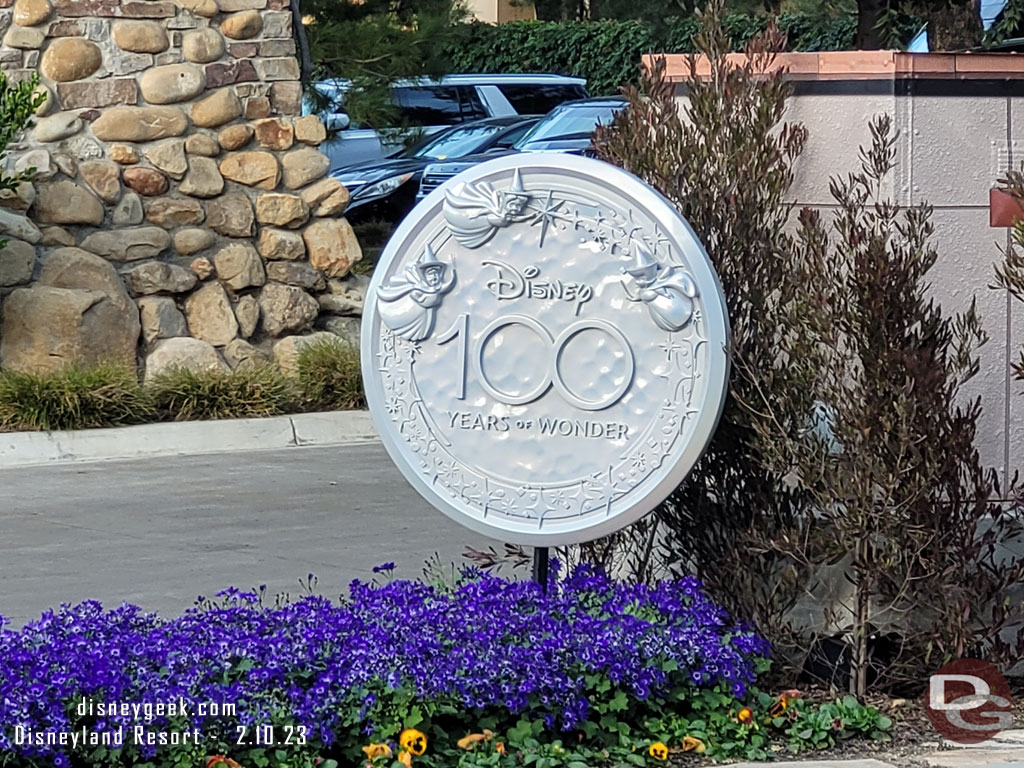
(74, 397)
(404, 665)
(329, 376)
(247, 392)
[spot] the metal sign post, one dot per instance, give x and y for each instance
(544, 349)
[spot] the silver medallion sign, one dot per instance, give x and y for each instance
(544, 348)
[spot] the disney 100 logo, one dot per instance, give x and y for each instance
(509, 283)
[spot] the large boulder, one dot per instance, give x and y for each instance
(191, 354)
(43, 328)
(114, 320)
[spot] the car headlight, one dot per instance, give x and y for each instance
(384, 186)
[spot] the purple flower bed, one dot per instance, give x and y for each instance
(487, 647)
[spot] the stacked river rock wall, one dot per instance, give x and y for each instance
(180, 212)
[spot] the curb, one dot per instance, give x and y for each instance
(23, 449)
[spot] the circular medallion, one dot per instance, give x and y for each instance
(544, 348)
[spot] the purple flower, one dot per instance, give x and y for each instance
(384, 567)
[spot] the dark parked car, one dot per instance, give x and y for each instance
(568, 128)
(386, 188)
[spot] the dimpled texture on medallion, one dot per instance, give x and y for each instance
(578, 411)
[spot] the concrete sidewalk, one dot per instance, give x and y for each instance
(20, 449)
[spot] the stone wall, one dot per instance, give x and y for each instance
(180, 211)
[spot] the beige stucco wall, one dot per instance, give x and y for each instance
(957, 137)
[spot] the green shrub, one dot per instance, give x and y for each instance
(74, 397)
(329, 376)
(249, 392)
(608, 52)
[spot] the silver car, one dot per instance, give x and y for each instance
(434, 104)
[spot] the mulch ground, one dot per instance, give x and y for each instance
(911, 737)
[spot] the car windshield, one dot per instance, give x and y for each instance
(569, 122)
(456, 142)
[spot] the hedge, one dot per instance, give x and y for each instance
(608, 53)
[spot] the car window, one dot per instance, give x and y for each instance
(472, 105)
(456, 142)
(438, 104)
(540, 99)
(571, 121)
(514, 134)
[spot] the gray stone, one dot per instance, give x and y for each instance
(17, 261)
(38, 159)
(25, 37)
(240, 354)
(203, 178)
(83, 148)
(124, 63)
(190, 241)
(201, 144)
(239, 266)
(296, 273)
(202, 45)
(139, 124)
(158, 277)
(190, 354)
(209, 315)
(104, 178)
(172, 83)
(129, 244)
(231, 215)
(346, 328)
(64, 202)
(20, 198)
(140, 36)
(161, 319)
(169, 157)
(280, 244)
(57, 127)
(15, 225)
(57, 236)
(302, 166)
(345, 297)
(247, 312)
(128, 212)
(171, 212)
(286, 309)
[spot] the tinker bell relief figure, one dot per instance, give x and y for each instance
(408, 302)
(668, 292)
(474, 212)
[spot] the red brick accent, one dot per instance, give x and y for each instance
(219, 74)
(97, 93)
(1003, 208)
